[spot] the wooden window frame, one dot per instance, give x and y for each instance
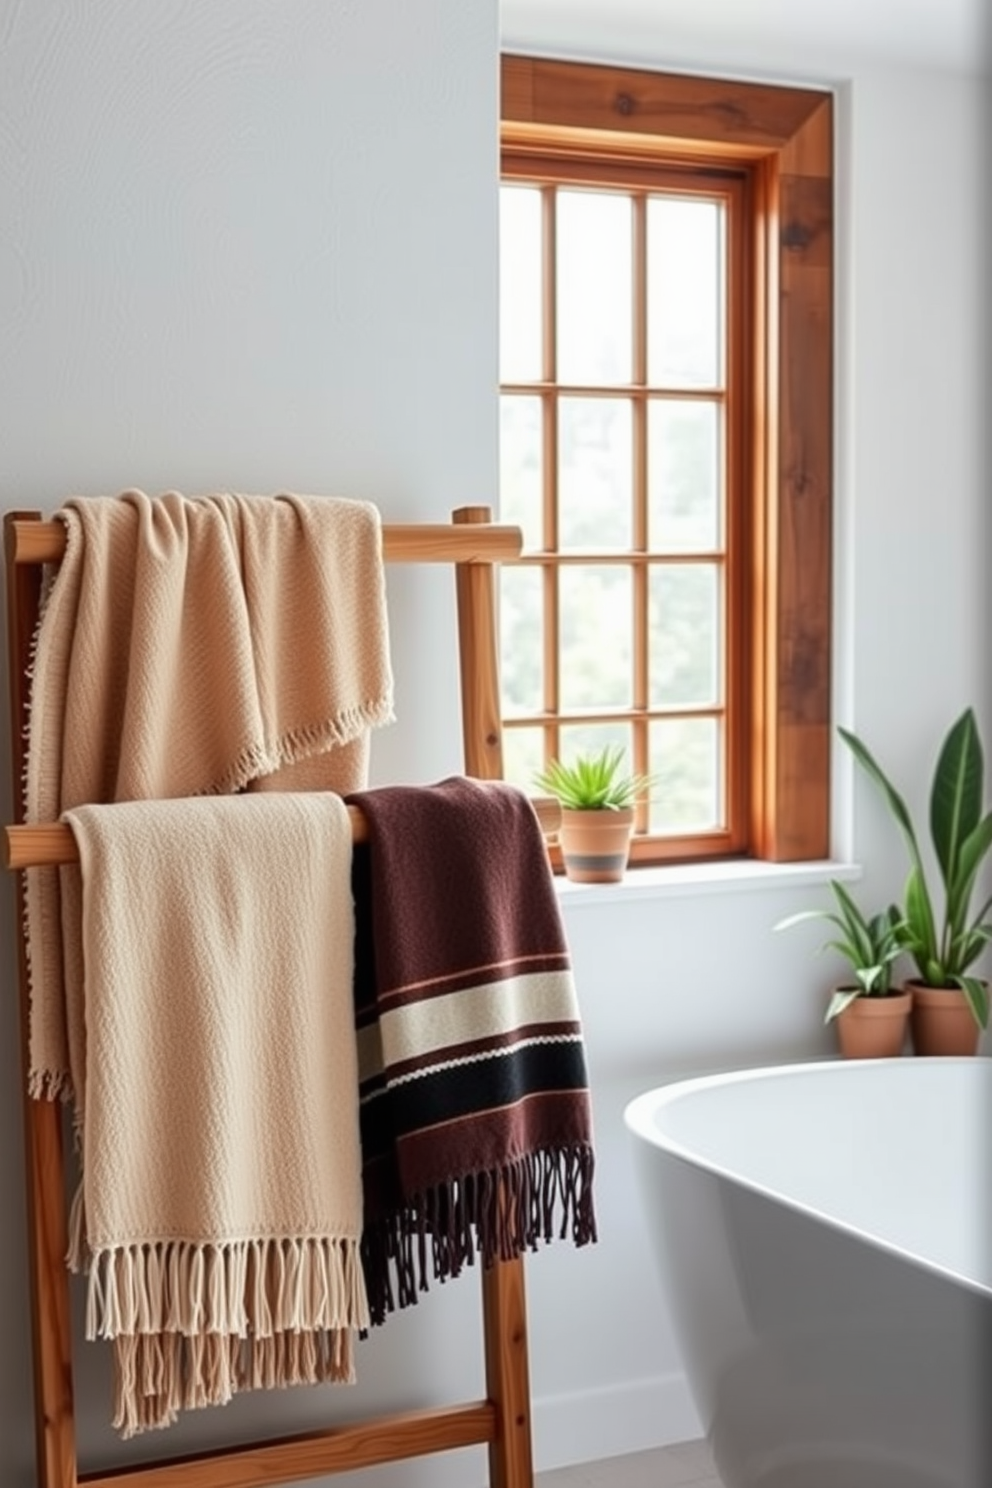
(784, 139)
(551, 171)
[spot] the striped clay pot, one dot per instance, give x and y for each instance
(595, 845)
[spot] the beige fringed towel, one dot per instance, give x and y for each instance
(218, 1107)
(191, 647)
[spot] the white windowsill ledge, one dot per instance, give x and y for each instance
(684, 879)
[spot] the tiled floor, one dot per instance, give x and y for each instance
(688, 1465)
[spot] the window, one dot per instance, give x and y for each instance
(665, 445)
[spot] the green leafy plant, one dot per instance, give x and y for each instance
(593, 782)
(945, 946)
(869, 944)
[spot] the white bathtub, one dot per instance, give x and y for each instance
(824, 1238)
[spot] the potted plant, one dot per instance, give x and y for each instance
(950, 1004)
(871, 1015)
(597, 812)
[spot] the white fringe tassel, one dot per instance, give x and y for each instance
(194, 1324)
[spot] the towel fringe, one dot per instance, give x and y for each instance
(44, 1083)
(498, 1214)
(242, 1288)
(157, 1375)
(299, 744)
(194, 1324)
(50, 1085)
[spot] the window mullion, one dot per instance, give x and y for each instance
(639, 495)
(549, 417)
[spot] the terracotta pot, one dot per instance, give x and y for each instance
(942, 1022)
(874, 1027)
(595, 845)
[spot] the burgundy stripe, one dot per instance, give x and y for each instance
(481, 1143)
(470, 977)
(474, 977)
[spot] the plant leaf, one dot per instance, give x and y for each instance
(895, 801)
(858, 930)
(922, 936)
(983, 911)
(806, 915)
(956, 796)
(972, 854)
(847, 950)
(977, 995)
(869, 945)
(592, 782)
(842, 998)
(970, 946)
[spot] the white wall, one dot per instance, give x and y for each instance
(253, 246)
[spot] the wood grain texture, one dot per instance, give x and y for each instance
(482, 734)
(503, 1309)
(55, 1440)
(751, 119)
(402, 542)
(507, 1375)
(809, 149)
(49, 845)
(799, 819)
(287, 1460)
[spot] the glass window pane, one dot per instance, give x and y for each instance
(595, 473)
(520, 466)
(685, 292)
(520, 630)
(594, 606)
(684, 504)
(684, 635)
(590, 738)
(685, 755)
(594, 308)
(523, 757)
(519, 284)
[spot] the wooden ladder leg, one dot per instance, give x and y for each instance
(482, 731)
(55, 1435)
(503, 1298)
(504, 1314)
(55, 1426)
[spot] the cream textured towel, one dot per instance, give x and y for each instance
(218, 1106)
(191, 647)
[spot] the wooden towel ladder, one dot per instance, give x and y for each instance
(502, 1419)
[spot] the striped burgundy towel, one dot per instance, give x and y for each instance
(475, 1115)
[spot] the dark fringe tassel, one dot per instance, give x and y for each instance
(498, 1214)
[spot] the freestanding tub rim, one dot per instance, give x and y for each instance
(643, 1118)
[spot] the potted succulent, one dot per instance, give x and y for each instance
(950, 1003)
(597, 812)
(871, 1015)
